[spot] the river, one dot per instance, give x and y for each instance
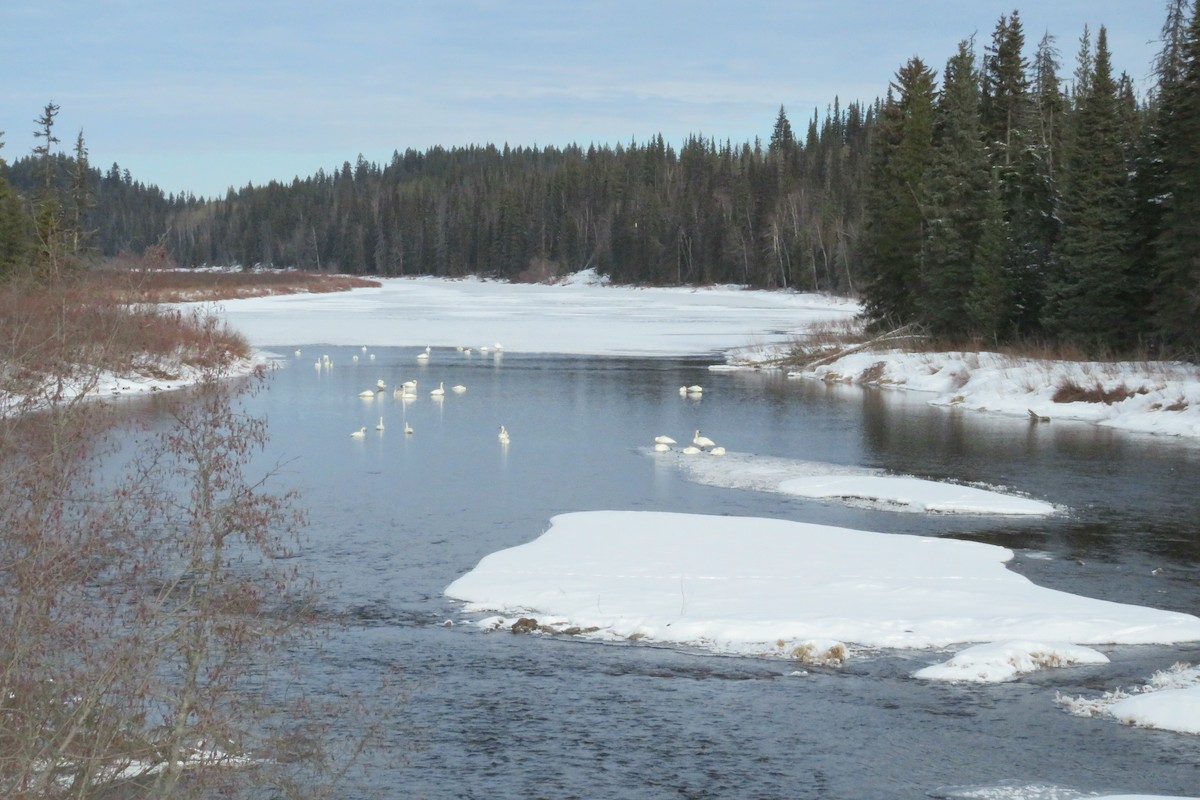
(395, 518)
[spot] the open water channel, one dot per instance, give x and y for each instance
(395, 518)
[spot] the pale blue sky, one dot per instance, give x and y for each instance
(200, 96)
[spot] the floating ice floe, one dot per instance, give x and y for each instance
(766, 586)
(1001, 661)
(914, 494)
(858, 486)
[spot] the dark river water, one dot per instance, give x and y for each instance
(394, 519)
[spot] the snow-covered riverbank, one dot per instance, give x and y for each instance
(1149, 397)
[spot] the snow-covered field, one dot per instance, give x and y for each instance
(765, 586)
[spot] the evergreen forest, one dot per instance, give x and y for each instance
(1012, 196)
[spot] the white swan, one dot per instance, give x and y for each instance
(360, 433)
(407, 428)
(381, 384)
(663, 440)
(379, 427)
(372, 356)
(503, 435)
(458, 388)
(695, 389)
(441, 390)
(364, 348)
(366, 393)
(354, 358)
(717, 451)
(661, 447)
(691, 450)
(682, 391)
(409, 384)
(702, 441)
(297, 352)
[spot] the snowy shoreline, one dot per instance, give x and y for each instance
(1141, 397)
(110, 386)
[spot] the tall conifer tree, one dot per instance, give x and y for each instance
(956, 187)
(1177, 289)
(902, 151)
(1090, 300)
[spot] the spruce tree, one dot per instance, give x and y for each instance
(783, 141)
(1006, 102)
(902, 151)
(957, 189)
(1177, 288)
(1090, 293)
(1020, 158)
(14, 233)
(48, 210)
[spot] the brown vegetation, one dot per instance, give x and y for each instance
(148, 279)
(146, 617)
(66, 335)
(1069, 391)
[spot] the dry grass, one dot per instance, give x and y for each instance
(58, 333)
(1069, 391)
(823, 341)
(131, 282)
(814, 655)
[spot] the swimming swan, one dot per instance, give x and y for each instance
(503, 435)
(360, 433)
(366, 393)
(459, 389)
(441, 390)
(379, 427)
(407, 428)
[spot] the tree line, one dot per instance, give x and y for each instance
(1003, 206)
(1002, 201)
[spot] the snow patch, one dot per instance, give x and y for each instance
(765, 586)
(1004, 661)
(853, 485)
(1170, 701)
